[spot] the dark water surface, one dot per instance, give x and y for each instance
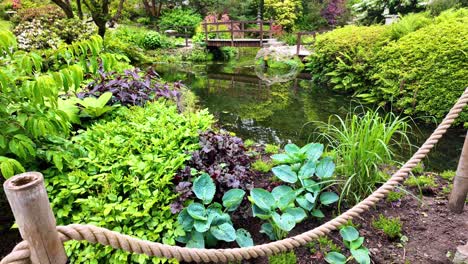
(283, 112)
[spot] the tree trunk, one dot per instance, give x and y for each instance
(119, 11)
(79, 9)
(66, 7)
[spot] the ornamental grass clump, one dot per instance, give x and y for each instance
(362, 143)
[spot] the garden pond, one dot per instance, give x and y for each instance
(251, 104)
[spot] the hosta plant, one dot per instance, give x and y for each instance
(354, 243)
(207, 222)
(308, 174)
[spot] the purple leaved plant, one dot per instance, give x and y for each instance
(333, 10)
(132, 87)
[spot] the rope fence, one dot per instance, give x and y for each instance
(97, 235)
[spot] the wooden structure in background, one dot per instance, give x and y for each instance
(238, 31)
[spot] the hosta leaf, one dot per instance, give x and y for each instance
(304, 203)
(281, 158)
(361, 255)
(267, 229)
(285, 222)
(317, 213)
(311, 197)
(313, 151)
(335, 258)
(263, 199)
(298, 213)
(197, 211)
(260, 213)
(202, 225)
(356, 243)
(232, 199)
(349, 233)
(325, 168)
(225, 232)
(284, 195)
(327, 198)
(307, 170)
(285, 173)
(196, 240)
(291, 148)
(243, 238)
(204, 188)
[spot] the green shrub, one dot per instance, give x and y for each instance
(422, 182)
(283, 258)
(362, 143)
(262, 166)
(249, 143)
(424, 73)
(323, 244)
(436, 7)
(390, 226)
(180, 20)
(154, 40)
(419, 169)
(408, 24)
(342, 57)
(395, 196)
(448, 175)
(271, 149)
(123, 180)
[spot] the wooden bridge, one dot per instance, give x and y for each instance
(256, 33)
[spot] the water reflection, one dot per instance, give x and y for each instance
(282, 112)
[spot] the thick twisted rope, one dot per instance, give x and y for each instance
(93, 234)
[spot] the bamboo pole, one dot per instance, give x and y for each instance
(28, 199)
(460, 182)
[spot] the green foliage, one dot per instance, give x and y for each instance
(154, 40)
(448, 175)
(408, 24)
(271, 149)
(371, 11)
(436, 7)
(354, 243)
(262, 166)
(342, 57)
(390, 226)
(181, 20)
(311, 18)
(308, 177)
(284, 12)
(96, 107)
(283, 258)
(249, 143)
(419, 169)
(395, 196)
(368, 138)
(119, 174)
(205, 226)
(422, 182)
(323, 244)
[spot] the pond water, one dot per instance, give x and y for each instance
(282, 112)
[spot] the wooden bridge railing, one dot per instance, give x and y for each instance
(299, 42)
(242, 28)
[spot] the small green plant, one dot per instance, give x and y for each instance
(394, 196)
(271, 149)
(307, 176)
(205, 226)
(419, 169)
(249, 143)
(262, 166)
(448, 175)
(422, 182)
(354, 243)
(390, 226)
(447, 189)
(324, 245)
(96, 107)
(283, 258)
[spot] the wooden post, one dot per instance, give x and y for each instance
(28, 199)
(217, 29)
(186, 37)
(271, 29)
(206, 32)
(298, 43)
(232, 34)
(460, 182)
(261, 33)
(242, 29)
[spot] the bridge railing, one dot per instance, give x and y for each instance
(213, 27)
(299, 39)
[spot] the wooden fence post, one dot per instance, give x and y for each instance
(261, 33)
(28, 199)
(298, 43)
(232, 33)
(460, 182)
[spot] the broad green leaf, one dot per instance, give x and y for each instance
(317, 213)
(298, 213)
(260, 213)
(335, 258)
(327, 198)
(281, 158)
(349, 233)
(285, 173)
(233, 198)
(197, 211)
(307, 170)
(291, 148)
(225, 232)
(361, 255)
(263, 199)
(304, 203)
(285, 222)
(310, 185)
(204, 188)
(311, 197)
(356, 243)
(243, 238)
(313, 151)
(267, 229)
(196, 240)
(325, 168)
(202, 225)
(284, 195)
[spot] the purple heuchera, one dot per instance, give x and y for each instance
(133, 87)
(333, 11)
(224, 158)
